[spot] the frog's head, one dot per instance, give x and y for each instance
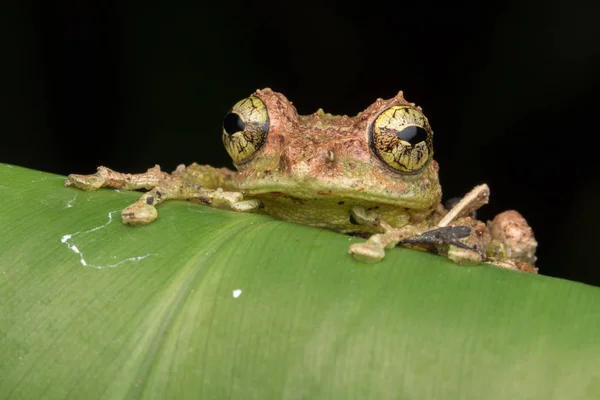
(382, 155)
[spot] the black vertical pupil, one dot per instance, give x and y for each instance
(412, 134)
(232, 123)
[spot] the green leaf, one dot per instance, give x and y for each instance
(209, 304)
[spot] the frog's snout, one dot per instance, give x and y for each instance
(310, 166)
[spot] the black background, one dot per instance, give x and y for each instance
(508, 88)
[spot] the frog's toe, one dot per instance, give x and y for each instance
(367, 252)
(464, 255)
(85, 182)
(246, 205)
(515, 264)
(139, 214)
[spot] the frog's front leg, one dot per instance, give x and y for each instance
(162, 186)
(373, 250)
(445, 235)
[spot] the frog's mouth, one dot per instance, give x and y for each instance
(363, 184)
(409, 198)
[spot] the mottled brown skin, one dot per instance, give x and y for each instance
(309, 164)
(321, 170)
(325, 155)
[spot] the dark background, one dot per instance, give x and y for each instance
(509, 90)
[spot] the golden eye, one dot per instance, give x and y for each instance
(245, 129)
(402, 138)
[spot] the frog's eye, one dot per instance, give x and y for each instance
(245, 129)
(402, 138)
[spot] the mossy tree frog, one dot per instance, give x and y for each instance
(369, 175)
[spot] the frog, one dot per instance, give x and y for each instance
(371, 175)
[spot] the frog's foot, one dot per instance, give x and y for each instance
(444, 235)
(143, 211)
(447, 240)
(162, 187)
(373, 250)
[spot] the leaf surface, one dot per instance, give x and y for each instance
(212, 304)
